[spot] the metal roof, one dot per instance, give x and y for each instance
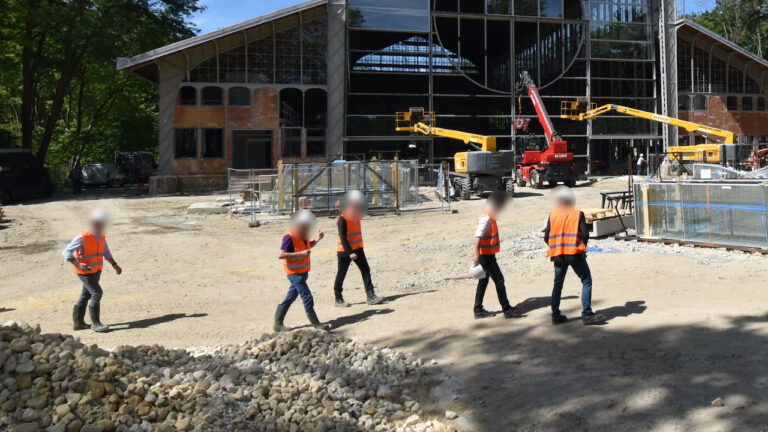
(722, 41)
(130, 62)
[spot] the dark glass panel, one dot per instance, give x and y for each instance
(527, 7)
(700, 103)
(747, 103)
(187, 95)
(291, 142)
(316, 108)
(315, 34)
(384, 105)
(683, 103)
(500, 7)
(239, 96)
(232, 65)
(204, 72)
(390, 15)
(472, 6)
(761, 104)
(371, 125)
(732, 103)
(261, 61)
(573, 9)
(291, 108)
(498, 53)
(213, 95)
(185, 143)
(288, 56)
(620, 50)
(551, 8)
(388, 83)
(213, 143)
(495, 106)
(315, 142)
(526, 49)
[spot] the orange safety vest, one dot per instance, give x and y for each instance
(354, 234)
(93, 253)
(299, 265)
(564, 237)
(489, 242)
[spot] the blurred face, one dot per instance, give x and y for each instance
(98, 227)
(497, 207)
(354, 210)
(563, 203)
(303, 231)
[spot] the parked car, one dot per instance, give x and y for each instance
(102, 174)
(137, 167)
(22, 176)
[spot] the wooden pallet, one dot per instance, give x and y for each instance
(593, 214)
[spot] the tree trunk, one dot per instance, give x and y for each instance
(28, 77)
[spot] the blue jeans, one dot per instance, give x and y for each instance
(581, 268)
(298, 288)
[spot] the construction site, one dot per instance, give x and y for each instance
(475, 139)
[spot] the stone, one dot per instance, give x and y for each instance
(25, 427)
(412, 420)
(19, 345)
(37, 402)
(29, 415)
(25, 367)
(60, 373)
(92, 428)
(451, 415)
(182, 424)
(24, 381)
(719, 402)
(62, 410)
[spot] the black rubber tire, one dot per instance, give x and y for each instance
(536, 181)
(509, 187)
(519, 178)
(466, 189)
(570, 183)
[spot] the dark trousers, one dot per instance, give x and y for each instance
(581, 268)
(91, 289)
(298, 288)
(492, 271)
(341, 273)
(77, 186)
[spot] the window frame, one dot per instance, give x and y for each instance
(203, 96)
(180, 100)
(239, 88)
(176, 132)
(204, 137)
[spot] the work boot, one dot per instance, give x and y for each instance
(512, 312)
(279, 317)
(482, 313)
(341, 303)
(78, 317)
(372, 298)
(96, 325)
(559, 319)
(593, 319)
(316, 322)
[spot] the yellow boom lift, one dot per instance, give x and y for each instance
(721, 153)
(475, 172)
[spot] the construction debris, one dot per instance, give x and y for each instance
(300, 380)
(2, 214)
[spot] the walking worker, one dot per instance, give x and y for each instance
(295, 252)
(487, 244)
(349, 248)
(567, 235)
(87, 253)
(641, 163)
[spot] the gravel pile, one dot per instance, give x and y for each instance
(297, 381)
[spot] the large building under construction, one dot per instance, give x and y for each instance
(322, 80)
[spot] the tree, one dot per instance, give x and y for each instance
(58, 81)
(744, 22)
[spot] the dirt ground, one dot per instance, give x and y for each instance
(686, 325)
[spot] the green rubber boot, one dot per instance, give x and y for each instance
(96, 324)
(78, 318)
(279, 317)
(316, 322)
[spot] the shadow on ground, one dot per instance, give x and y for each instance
(149, 322)
(539, 377)
(358, 317)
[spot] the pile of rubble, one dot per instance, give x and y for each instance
(302, 380)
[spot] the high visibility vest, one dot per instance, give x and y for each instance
(489, 242)
(93, 253)
(564, 237)
(298, 265)
(354, 234)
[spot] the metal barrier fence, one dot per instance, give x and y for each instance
(718, 214)
(320, 186)
(428, 174)
(256, 187)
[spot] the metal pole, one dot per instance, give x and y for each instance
(295, 187)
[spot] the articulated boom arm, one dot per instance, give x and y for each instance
(541, 110)
(420, 121)
(577, 111)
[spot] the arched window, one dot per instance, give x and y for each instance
(213, 96)
(239, 96)
(187, 95)
(315, 108)
(700, 103)
(291, 108)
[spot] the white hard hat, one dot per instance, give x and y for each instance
(304, 218)
(355, 196)
(563, 193)
(99, 215)
(477, 271)
(641, 155)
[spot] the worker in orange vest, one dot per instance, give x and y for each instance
(295, 252)
(87, 253)
(349, 248)
(567, 235)
(487, 244)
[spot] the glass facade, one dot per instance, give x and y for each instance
(462, 59)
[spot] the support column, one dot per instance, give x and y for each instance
(668, 67)
(337, 69)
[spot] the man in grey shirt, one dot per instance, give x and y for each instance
(87, 253)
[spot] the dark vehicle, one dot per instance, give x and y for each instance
(22, 176)
(137, 167)
(102, 174)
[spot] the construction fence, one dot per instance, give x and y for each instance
(712, 213)
(388, 185)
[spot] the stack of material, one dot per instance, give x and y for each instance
(593, 214)
(302, 380)
(2, 214)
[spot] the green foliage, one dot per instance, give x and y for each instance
(744, 22)
(59, 91)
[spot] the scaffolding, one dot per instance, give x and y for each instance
(721, 214)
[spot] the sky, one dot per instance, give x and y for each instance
(221, 13)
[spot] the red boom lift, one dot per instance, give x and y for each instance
(554, 164)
